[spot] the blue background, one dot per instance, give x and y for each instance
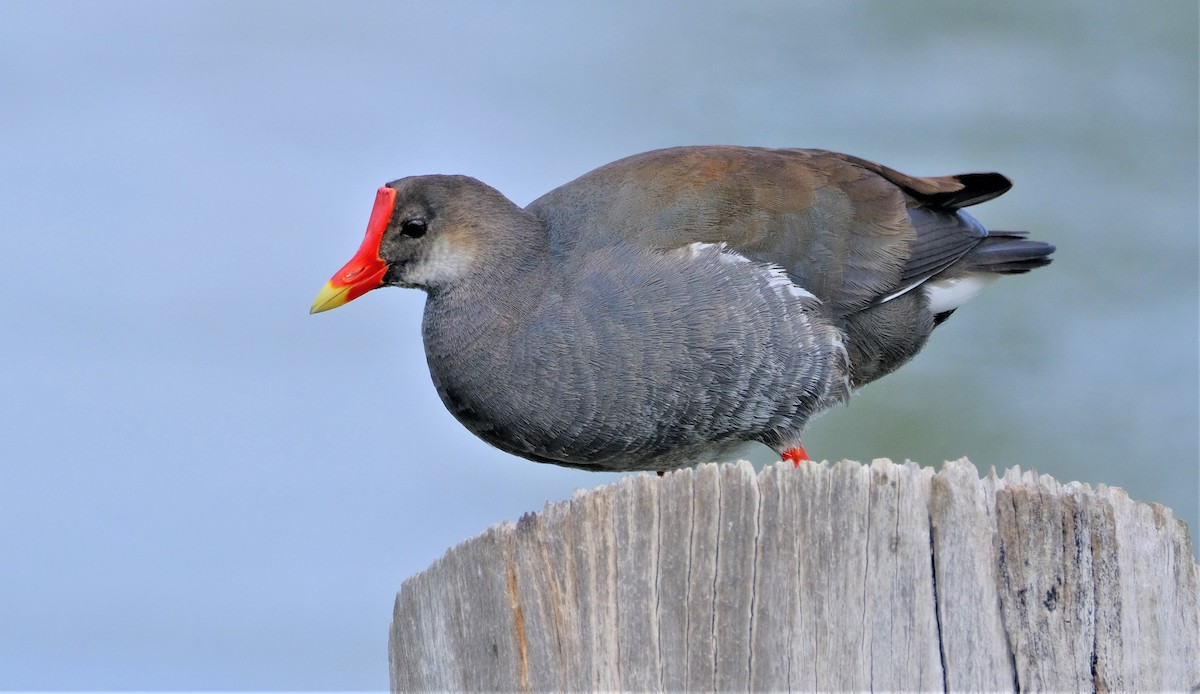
(202, 486)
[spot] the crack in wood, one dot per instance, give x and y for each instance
(754, 590)
(714, 641)
(937, 606)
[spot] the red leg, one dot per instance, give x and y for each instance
(795, 455)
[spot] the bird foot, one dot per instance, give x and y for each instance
(795, 455)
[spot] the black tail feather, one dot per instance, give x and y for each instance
(1009, 253)
(977, 188)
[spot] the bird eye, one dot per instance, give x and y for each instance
(413, 228)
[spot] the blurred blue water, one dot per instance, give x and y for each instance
(201, 486)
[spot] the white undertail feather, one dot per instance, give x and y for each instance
(949, 294)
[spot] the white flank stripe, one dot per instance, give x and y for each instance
(724, 252)
(902, 292)
(777, 277)
(780, 282)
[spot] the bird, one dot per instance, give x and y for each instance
(672, 306)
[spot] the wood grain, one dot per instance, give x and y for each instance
(823, 577)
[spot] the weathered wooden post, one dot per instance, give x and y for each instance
(823, 577)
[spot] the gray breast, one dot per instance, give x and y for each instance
(633, 358)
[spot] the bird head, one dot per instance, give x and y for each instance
(424, 232)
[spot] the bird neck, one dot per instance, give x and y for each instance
(508, 277)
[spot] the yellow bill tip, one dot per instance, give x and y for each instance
(329, 297)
